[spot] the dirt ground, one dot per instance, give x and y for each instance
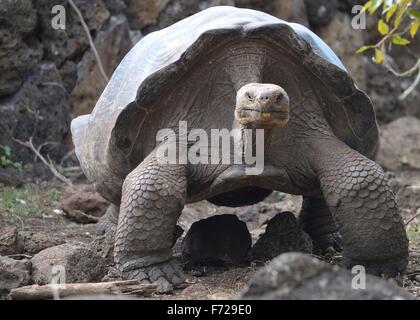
(36, 208)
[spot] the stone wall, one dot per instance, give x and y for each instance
(48, 76)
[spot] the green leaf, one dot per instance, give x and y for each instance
(374, 6)
(366, 6)
(7, 151)
(379, 56)
(414, 27)
(363, 49)
(391, 12)
(398, 40)
(383, 27)
(413, 14)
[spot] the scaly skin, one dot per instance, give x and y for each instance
(363, 205)
(153, 198)
(108, 222)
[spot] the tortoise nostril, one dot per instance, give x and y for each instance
(279, 98)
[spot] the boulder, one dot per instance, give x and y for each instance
(400, 144)
(79, 263)
(68, 72)
(142, 13)
(321, 12)
(34, 242)
(384, 90)
(344, 44)
(112, 45)
(40, 109)
(298, 276)
(19, 52)
(13, 274)
(218, 240)
(9, 242)
(283, 234)
(115, 7)
(61, 45)
(16, 62)
(81, 203)
(291, 10)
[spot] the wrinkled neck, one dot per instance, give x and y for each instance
(256, 135)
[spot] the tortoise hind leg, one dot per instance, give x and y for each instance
(317, 221)
(108, 222)
(152, 200)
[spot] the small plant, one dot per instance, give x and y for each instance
(398, 24)
(5, 158)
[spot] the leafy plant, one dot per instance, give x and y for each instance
(398, 24)
(5, 158)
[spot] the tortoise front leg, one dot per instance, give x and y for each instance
(363, 205)
(317, 221)
(153, 197)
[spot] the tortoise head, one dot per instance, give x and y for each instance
(262, 105)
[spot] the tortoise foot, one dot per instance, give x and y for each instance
(165, 274)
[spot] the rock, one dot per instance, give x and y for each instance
(104, 247)
(344, 44)
(9, 242)
(19, 53)
(266, 6)
(399, 144)
(13, 274)
(112, 44)
(384, 89)
(406, 186)
(142, 13)
(11, 176)
(40, 109)
(175, 11)
(221, 239)
(291, 10)
(283, 234)
(82, 204)
(80, 264)
(321, 12)
(19, 17)
(115, 7)
(298, 276)
(68, 72)
(34, 242)
(247, 214)
(63, 44)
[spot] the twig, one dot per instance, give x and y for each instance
(129, 287)
(412, 218)
(411, 87)
(92, 45)
(29, 144)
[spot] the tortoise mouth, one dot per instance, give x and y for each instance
(262, 118)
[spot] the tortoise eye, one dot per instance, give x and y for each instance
(248, 96)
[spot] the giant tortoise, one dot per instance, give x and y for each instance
(239, 70)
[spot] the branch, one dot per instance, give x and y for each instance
(29, 144)
(49, 291)
(411, 87)
(412, 218)
(92, 45)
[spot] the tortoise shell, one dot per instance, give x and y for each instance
(181, 73)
